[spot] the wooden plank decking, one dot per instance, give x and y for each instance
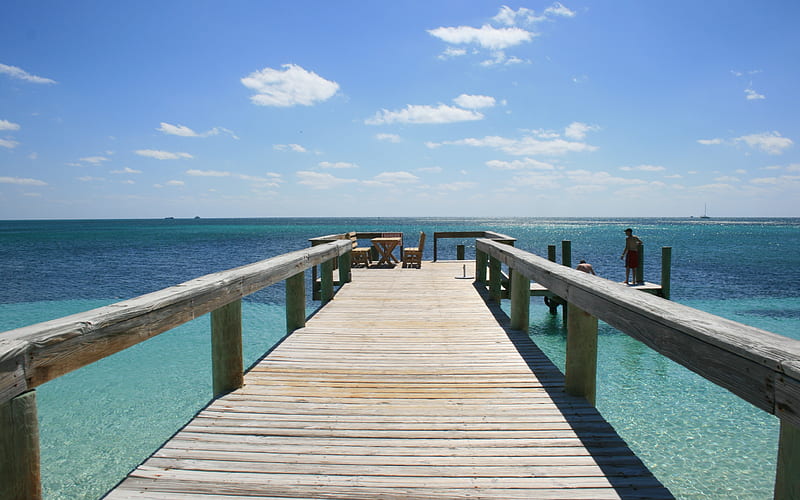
(404, 386)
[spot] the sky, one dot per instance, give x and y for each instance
(619, 108)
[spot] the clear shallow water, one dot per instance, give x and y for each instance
(100, 421)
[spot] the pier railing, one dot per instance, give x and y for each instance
(758, 366)
(33, 355)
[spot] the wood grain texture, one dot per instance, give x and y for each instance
(760, 367)
(34, 354)
(404, 386)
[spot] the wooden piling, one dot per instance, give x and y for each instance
(581, 363)
(326, 272)
(566, 260)
(787, 476)
(666, 271)
(551, 253)
(481, 260)
(345, 265)
(20, 477)
(295, 302)
(226, 348)
(638, 273)
(460, 252)
(520, 301)
(495, 291)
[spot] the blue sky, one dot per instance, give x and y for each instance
(412, 108)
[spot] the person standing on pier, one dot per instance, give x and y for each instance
(631, 255)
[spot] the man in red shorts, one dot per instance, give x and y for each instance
(631, 255)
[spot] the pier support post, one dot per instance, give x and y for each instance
(345, 264)
(295, 302)
(480, 267)
(787, 477)
(639, 271)
(520, 301)
(326, 270)
(566, 260)
(460, 252)
(20, 476)
(495, 292)
(581, 363)
(226, 348)
(666, 271)
(551, 253)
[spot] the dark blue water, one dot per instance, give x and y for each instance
(100, 421)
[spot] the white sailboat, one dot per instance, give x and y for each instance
(705, 212)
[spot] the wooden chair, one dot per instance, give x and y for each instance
(361, 255)
(412, 256)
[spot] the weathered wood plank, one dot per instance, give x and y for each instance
(404, 386)
(759, 366)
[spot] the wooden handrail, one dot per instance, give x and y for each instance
(760, 367)
(33, 355)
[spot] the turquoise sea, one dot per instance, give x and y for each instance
(99, 422)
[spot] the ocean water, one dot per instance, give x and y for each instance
(99, 422)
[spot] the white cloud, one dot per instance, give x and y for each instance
(290, 147)
(95, 160)
(430, 170)
(510, 17)
(22, 181)
(126, 170)
(89, 178)
(338, 164)
(474, 101)
(486, 36)
(20, 74)
(457, 186)
(578, 130)
(290, 87)
(321, 180)
(418, 114)
(727, 178)
(7, 125)
(524, 164)
(162, 155)
(396, 178)
(768, 142)
(557, 9)
(173, 183)
(499, 58)
(752, 95)
(184, 131)
(8, 143)
(451, 52)
(388, 137)
(207, 173)
(527, 146)
(709, 142)
(643, 168)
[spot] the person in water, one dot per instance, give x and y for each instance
(631, 255)
(585, 267)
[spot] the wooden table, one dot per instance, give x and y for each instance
(385, 247)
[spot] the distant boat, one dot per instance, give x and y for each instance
(705, 212)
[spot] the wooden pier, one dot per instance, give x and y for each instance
(406, 385)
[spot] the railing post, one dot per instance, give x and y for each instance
(581, 363)
(495, 292)
(666, 271)
(19, 449)
(345, 264)
(296, 302)
(481, 259)
(326, 270)
(551, 253)
(459, 252)
(787, 475)
(520, 301)
(435, 247)
(226, 348)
